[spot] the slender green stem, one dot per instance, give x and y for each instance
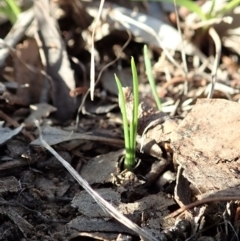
(209, 15)
(135, 105)
(151, 80)
(11, 10)
(228, 7)
(125, 122)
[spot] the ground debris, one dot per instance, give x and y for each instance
(6, 133)
(24, 226)
(148, 211)
(102, 168)
(45, 59)
(9, 184)
(206, 145)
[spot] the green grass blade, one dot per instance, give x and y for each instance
(133, 125)
(128, 157)
(130, 131)
(228, 7)
(11, 10)
(212, 7)
(152, 83)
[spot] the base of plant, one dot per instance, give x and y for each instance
(123, 165)
(128, 166)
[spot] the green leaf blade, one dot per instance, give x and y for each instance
(151, 80)
(128, 162)
(135, 104)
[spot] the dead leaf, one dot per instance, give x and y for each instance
(89, 225)
(86, 204)
(149, 30)
(50, 189)
(206, 145)
(154, 206)
(6, 133)
(54, 136)
(27, 53)
(100, 168)
(39, 111)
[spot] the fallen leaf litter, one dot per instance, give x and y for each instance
(204, 144)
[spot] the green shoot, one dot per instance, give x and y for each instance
(122, 106)
(130, 130)
(228, 7)
(10, 9)
(133, 125)
(150, 77)
(210, 13)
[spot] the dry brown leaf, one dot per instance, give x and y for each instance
(55, 136)
(99, 169)
(27, 53)
(153, 206)
(206, 145)
(6, 133)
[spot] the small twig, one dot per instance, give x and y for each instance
(201, 202)
(172, 81)
(212, 21)
(218, 47)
